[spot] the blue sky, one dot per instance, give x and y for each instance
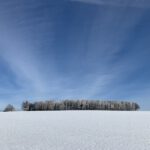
(90, 49)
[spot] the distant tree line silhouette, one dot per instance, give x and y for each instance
(9, 107)
(79, 105)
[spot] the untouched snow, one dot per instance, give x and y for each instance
(75, 130)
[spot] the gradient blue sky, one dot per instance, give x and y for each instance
(91, 49)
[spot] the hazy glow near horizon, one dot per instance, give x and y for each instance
(91, 49)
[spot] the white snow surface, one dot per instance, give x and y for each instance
(75, 130)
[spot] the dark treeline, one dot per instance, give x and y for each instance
(79, 105)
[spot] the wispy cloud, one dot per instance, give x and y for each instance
(74, 50)
(122, 3)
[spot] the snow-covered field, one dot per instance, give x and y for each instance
(75, 130)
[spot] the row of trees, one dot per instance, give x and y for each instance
(79, 105)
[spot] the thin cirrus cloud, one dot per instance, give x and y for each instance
(120, 3)
(74, 49)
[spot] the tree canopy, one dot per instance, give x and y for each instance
(79, 105)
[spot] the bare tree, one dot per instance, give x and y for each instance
(26, 106)
(9, 107)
